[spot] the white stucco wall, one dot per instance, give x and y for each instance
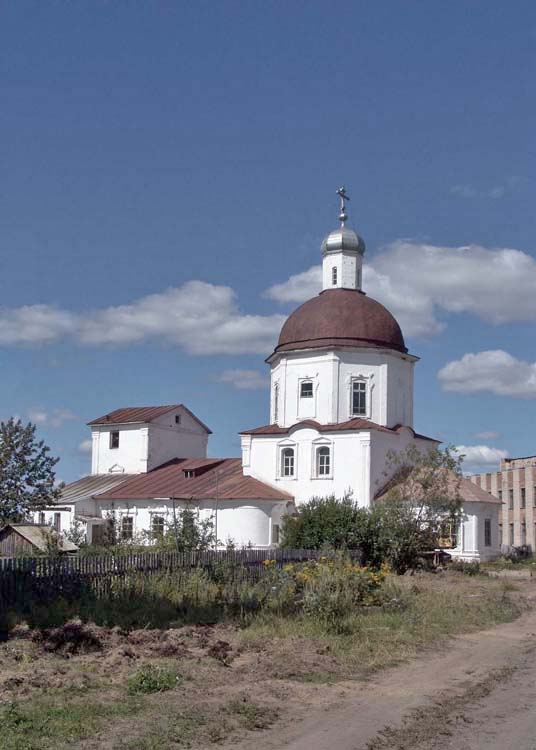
(142, 447)
(65, 512)
(388, 377)
(245, 522)
(358, 461)
(471, 541)
(349, 463)
(348, 265)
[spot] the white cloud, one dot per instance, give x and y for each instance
(201, 318)
(493, 371)
(464, 191)
(490, 435)
(481, 456)
(244, 380)
(34, 324)
(56, 418)
(495, 192)
(297, 288)
(416, 281)
(85, 446)
(37, 415)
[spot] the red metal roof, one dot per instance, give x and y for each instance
(467, 490)
(341, 317)
(143, 414)
(220, 478)
(351, 424)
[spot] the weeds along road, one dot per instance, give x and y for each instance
(477, 692)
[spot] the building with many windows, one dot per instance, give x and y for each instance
(515, 486)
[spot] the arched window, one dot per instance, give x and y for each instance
(323, 461)
(359, 398)
(287, 462)
(334, 276)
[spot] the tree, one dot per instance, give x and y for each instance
(419, 500)
(27, 479)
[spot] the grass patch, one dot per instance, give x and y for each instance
(504, 563)
(50, 719)
(250, 715)
(318, 678)
(172, 731)
(417, 615)
(152, 679)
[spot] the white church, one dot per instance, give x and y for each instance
(341, 399)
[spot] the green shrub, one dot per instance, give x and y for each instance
(467, 568)
(321, 522)
(151, 679)
(334, 589)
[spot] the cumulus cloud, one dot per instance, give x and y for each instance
(244, 380)
(481, 456)
(55, 418)
(85, 446)
(297, 288)
(34, 324)
(493, 371)
(202, 318)
(417, 281)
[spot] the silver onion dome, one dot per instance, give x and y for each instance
(343, 238)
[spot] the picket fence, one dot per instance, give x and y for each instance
(47, 578)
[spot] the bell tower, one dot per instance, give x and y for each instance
(342, 254)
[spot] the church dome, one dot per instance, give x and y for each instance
(342, 239)
(341, 317)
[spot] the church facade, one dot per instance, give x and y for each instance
(341, 401)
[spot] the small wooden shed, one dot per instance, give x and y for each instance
(26, 540)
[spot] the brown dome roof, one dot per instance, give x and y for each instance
(341, 317)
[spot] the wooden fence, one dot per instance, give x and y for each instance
(46, 578)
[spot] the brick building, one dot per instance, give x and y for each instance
(515, 486)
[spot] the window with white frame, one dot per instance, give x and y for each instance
(287, 462)
(323, 461)
(334, 276)
(306, 389)
(114, 439)
(359, 398)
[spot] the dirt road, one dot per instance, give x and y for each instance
(478, 692)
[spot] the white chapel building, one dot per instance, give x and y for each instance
(341, 399)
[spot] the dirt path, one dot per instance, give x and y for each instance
(476, 693)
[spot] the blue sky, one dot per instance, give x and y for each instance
(147, 146)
